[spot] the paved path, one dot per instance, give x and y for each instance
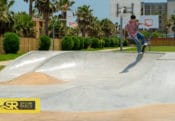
(113, 49)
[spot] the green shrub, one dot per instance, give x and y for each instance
(95, 43)
(44, 43)
(145, 33)
(11, 42)
(101, 43)
(156, 34)
(67, 43)
(107, 42)
(114, 42)
(87, 42)
(125, 42)
(117, 42)
(82, 40)
(76, 41)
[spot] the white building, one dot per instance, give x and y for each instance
(171, 8)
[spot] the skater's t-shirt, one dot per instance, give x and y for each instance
(132, 28)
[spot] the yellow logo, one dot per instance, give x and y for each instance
(19, 105)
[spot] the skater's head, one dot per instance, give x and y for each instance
(133, 17)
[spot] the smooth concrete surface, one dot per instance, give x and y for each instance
(98, 81)
(25, 63)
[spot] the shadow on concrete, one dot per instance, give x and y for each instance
(138, 58)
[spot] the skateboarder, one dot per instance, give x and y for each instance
(132, 29)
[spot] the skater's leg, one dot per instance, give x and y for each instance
(138, 44)
(142, 38)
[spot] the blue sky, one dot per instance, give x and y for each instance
(100, 7)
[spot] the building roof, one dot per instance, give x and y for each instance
(155, 1)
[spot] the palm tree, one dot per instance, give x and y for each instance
(107, 27)
(46, 8)
(58, 27)
(5, 15)
(23, 24)
(94, 29)
(84, 15)
(4, 10)
(64, 6)
(30, 6)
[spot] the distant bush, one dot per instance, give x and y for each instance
(67, 43)
(77, 43)
(156, 34)
(145, 33)
(44, 42)
(114, 42)
(87, 42)
(107, 42)
(125, 42)
(82, 40)
(101, 43)
(95, 43)
(11, 42)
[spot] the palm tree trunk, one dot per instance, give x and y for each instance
(83, 31)
(30, 8)
(65, 18)
(46, 18)
(0, 29)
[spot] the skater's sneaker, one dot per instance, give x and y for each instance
(145, 44)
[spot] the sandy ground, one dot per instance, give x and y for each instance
(159, 112)
(34, 78)
(4, 63)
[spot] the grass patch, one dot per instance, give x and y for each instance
(96, 49)
(156, 49)
(5, 57)
(163, 48)
(1, 67)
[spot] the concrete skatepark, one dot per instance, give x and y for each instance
(93, 81)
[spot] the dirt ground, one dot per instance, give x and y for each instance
(33, 78)
(158, 112)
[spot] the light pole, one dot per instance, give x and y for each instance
(53, 30)
(121, 33)
(123, 10)
(53, 36)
